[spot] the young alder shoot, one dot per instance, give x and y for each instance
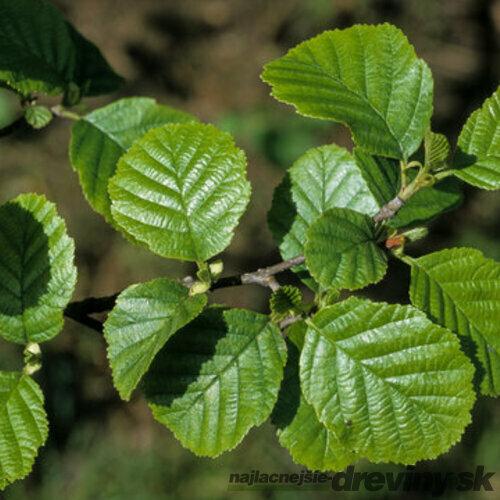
(340, 379)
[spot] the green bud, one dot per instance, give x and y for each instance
(416, 234)
(199, 287)
(216, 269)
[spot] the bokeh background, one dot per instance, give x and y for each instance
(205, 57)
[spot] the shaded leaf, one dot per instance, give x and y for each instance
(383, 176)
(93, 74)
(477, 159)
(216, 378)
(286, 300)
(37, 273)
(298, 427)
(41, 52)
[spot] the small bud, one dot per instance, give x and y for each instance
(32, 348)
(395, 242)
(204, 275)
(199, 287)
(416, 234)
(32, 367)
(216, 268)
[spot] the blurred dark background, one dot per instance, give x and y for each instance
(205, 57)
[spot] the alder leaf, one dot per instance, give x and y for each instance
(37, 116)
(323, 178)
(216, 378)
(342, 250)
(181, 189)
(389, 383)
(41, 52)
(309, 442)
(144, 318)
(100, 138)
(477, 159)
(23, 425)
(460, 289)
(367, 77)
(37, 273)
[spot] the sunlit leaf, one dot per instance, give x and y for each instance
(367, 77)
(389, 383)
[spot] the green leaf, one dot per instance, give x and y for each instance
(389, 383)
(99, 140)
(323, 178)
(286, 300)
(37, 273)
(367, 77)
(383, 176)
(460, 289)
(437, 150)
(41, 52)
(144, 318)
(37, 116)
(36, 52)
(181, 189)
(477, 159)
(342, 250)
(217, 378)
(23, 425)
(310, 443)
